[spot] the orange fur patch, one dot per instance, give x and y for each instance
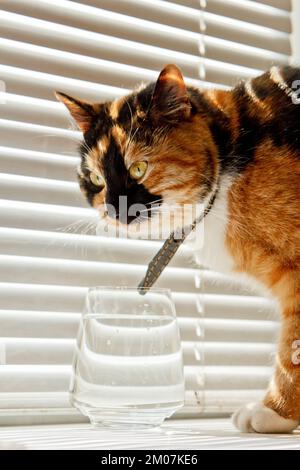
(224, 101)
(120, 136)
(268, 248)
(172, 169)
(115, 107)
(103, 144)
(92, 160)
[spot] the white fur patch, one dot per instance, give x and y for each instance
(213, 252)
(256, 417)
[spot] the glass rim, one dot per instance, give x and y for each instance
(99, 291)
(158, 290)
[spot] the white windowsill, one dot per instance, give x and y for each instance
(176, 434)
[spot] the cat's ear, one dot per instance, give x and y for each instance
(82, 112)
(170, 99)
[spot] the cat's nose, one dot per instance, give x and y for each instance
(111, 211)
(119, 209)
(115, 212)
(119, 214)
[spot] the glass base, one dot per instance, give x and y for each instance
(128, 417)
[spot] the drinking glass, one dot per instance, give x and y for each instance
(127, 369)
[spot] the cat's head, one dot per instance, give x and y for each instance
(148, 149)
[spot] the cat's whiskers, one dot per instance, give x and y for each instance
(90, 228)
(156, 201)
(77, 226)
(71, 226)
(73, 126)
(76, 139)
(129, 141)
(152, 205)
(131, 120)
(86, 147)
(157, 209)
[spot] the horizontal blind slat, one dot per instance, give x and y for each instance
(239, 31)
(84, 247)
(284, 4)
(36, 351)
(217, 401)
(224, 353)
(252, 12)
(35, 216)
(231, 330)
(227, 306)
(156, 10)
(24, 324)
(227, 378)
(241, 54)
(42, 297)
(228, 74)
(21, 81)
(38, 164)
(41, 190)
(280, 4)
(36, 378)
(32, 110)
(38, 138)
(31, 400)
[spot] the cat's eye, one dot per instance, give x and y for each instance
(137, 170)
(97, 180)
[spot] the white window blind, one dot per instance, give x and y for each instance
(49, 255)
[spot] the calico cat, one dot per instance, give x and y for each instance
(170, 143)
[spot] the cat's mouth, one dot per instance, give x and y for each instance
(154, 222)
(134, 214)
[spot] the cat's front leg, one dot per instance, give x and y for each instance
(280, 410)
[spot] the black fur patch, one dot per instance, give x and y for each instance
(217, 122)
(102, 124)
(251, 133)
(145, 96)
(120, 184)
(127, 111)
(288, 112)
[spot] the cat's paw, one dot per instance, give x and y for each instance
(256, 417)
